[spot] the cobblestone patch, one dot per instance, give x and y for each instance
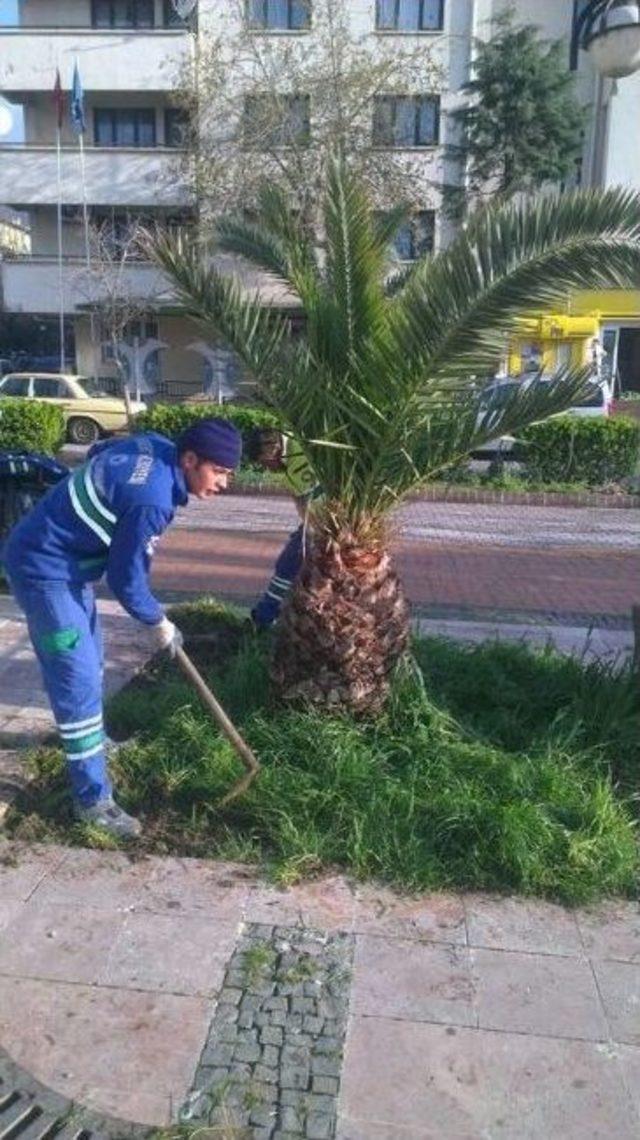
(270, 1069)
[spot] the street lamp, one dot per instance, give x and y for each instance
(609, 30)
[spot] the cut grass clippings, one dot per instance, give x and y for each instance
(494, 767)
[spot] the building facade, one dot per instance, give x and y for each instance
(130, 54)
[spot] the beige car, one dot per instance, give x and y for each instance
(87, 414)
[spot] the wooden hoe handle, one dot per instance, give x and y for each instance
(248, 758)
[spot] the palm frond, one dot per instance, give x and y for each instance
(457, 308)
(379, 389)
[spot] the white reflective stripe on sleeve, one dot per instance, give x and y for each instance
(93, 495)
(81, 513)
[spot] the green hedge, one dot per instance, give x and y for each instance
(26, 425)
(172, 419)
(572, 449)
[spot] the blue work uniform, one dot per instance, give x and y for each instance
(104, 519)
(305, 490)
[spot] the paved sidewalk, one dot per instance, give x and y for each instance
(466, 1018)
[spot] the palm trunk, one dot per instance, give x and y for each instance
(344, 626)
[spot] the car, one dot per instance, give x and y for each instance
(88, 412)
(597, 402)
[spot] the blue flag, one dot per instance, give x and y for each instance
(77, 102)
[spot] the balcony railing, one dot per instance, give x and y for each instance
(113, 177)
(109, 60)
(31, 283)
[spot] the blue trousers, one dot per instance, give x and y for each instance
(65, 631)
(285, 572)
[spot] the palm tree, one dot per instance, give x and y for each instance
(379, 389)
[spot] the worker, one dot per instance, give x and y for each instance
(269, 448)
(105, 518)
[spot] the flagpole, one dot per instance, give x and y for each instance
(77, 118)
(63, 361)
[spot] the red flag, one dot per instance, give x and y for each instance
(58, 99)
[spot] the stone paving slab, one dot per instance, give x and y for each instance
(470, 1016)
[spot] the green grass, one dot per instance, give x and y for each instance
(493, 767)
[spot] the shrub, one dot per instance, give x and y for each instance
(26, 425)
(570, 449)
(172, 419)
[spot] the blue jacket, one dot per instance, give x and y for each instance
(105, 518)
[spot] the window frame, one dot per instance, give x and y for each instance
(413, 224)
(265, 27)
(420, 30)
(290, 98)
(26, 380)
(417, 100)
(134, 24)
(172, 22)
(177, 113)
(114, 112)
(61, 390)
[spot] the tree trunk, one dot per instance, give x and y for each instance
(343, 628)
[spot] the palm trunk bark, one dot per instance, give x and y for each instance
(344, 627)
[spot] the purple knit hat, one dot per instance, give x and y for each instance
(216, 440)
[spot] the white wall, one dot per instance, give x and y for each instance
(622, 160)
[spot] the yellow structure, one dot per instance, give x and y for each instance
(567, 338)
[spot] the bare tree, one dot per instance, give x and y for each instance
(111, 283)
(276, 107)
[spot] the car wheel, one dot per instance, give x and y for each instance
(81, 429)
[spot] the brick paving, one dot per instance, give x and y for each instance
(587, 581)
(466, 1016)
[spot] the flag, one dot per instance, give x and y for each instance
(77, 102)
(58, 99)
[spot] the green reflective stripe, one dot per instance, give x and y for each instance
(81, 743)
(59, 640)
(85, 509)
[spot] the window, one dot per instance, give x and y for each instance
(15, 386)
(287, 15)
(176, 127)
(410, 15)
(276, 121)
(46, 389)
(406, 120)
(122, 13)
(171, 19)
(124, 127)
(416, 237)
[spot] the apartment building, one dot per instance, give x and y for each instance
(129, 53)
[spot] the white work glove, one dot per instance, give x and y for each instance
(166, 635)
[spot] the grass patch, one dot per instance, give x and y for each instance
(494, 767)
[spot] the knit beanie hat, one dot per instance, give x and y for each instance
(216, 440)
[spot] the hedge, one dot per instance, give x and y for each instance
(172, 419)
(27, 425)
(574, 449)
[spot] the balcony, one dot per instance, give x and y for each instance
(118, 60)
(114, 177)
(31, 284)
